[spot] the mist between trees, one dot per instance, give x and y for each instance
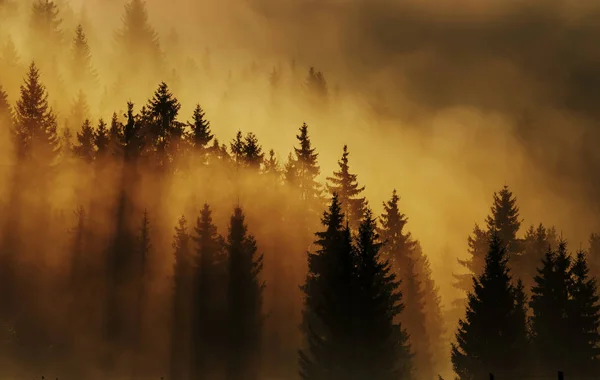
(138, 244)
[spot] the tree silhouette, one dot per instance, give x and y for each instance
(45, 26)
(5, 112)
(252, 152)
(161, 116)
(504, 218)
(101, 139)
(487, 339)
(398, 245)
(85, 148)
(385, 352)
(35, 122)
(200, 135)
(328, 302)
(346, 186)
(306, 169)
(271, 165)
(478, 243)
(244, 300)
(80, 111)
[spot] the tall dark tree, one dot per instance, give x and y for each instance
(382, 341)
(329, 291)
(271, 165)
(487, 339)
(505, 219)
(35, 122)
(182, 296)
(550, 306)
(238, 145)
(306, 170)
(584, 320)
(101, 139)
(346, 186)
(208, 327)
(82, 69)
(85, 148)
(535, 244)
(162, 112)
(5, 113)
(399, 245)
(244, 296)
(200, 135)
(253, 154)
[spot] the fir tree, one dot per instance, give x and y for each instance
(244, 298)
(535, 244)
(238, 145)
(584, 320)
(329, 291)
(486, 340)
(306, 168)
(208, 313)
(200, 135)
(385, 352)
(82, 68)
(45, 26)
(35, 122)
(101, 139)
(84, 148)
(504, 218)
(271, 165)
(162, 112)
(80, 111)
(316, 84)
(116, 137)
(550, 305)
(252, 152)
(182, 292)
(398, 245)
(345, 185)
(290, 172)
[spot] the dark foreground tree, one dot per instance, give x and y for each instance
(244, 301)
(488, 340)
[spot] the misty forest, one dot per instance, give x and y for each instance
(210, 191)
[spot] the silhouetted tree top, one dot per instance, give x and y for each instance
(80, 111)
(137, 38)
(252, 152)
(10, 56)
(200, 135)
(487, 339)
(346, 186)
(45, 22)
(101, 138)
(35, 122)
(5, 110)
(504, 218)
(478, 245)
(399, 245)
(85, 148)
(271, 165)
(315, 83)
(303, 170)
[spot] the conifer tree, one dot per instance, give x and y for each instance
(252, 152)
(182, 293)
(399, 245)
(219, 151)
(244, 299)
(504, 218)
(290, 173)
(328, 327)
(535, 244)
(383, 343)
(84, 148)
(345, 185)
(35, 122)
(101, 139)
(316, 83)
(116, 137)
(82, 69)
(487, 339)
(200, 135)
(238, 145)
(80, 111)
(162, 112)
(45, 26)
(208, 327)
(271, 165)
(307, 168)
(584, 320)
(550, 306)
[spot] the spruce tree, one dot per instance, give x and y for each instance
(82, 68)
(200, 135)
(271, 166)
(84, 148)
(5, 112)
(208, 327)
(101, 139)
(244, 301)
(550, 305)
(535, 244)
(345, 185)
(238, 146)
(399, 245)
(252, 152)
(584, 320)
(35, 122)
(45, 26)
(307, 168)
(315, 84)
(328, 327)
(80, 111)
(504, 218)
(161, 116)
(486, 340)
(182, 293)
(382, 341)
(116, 138)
